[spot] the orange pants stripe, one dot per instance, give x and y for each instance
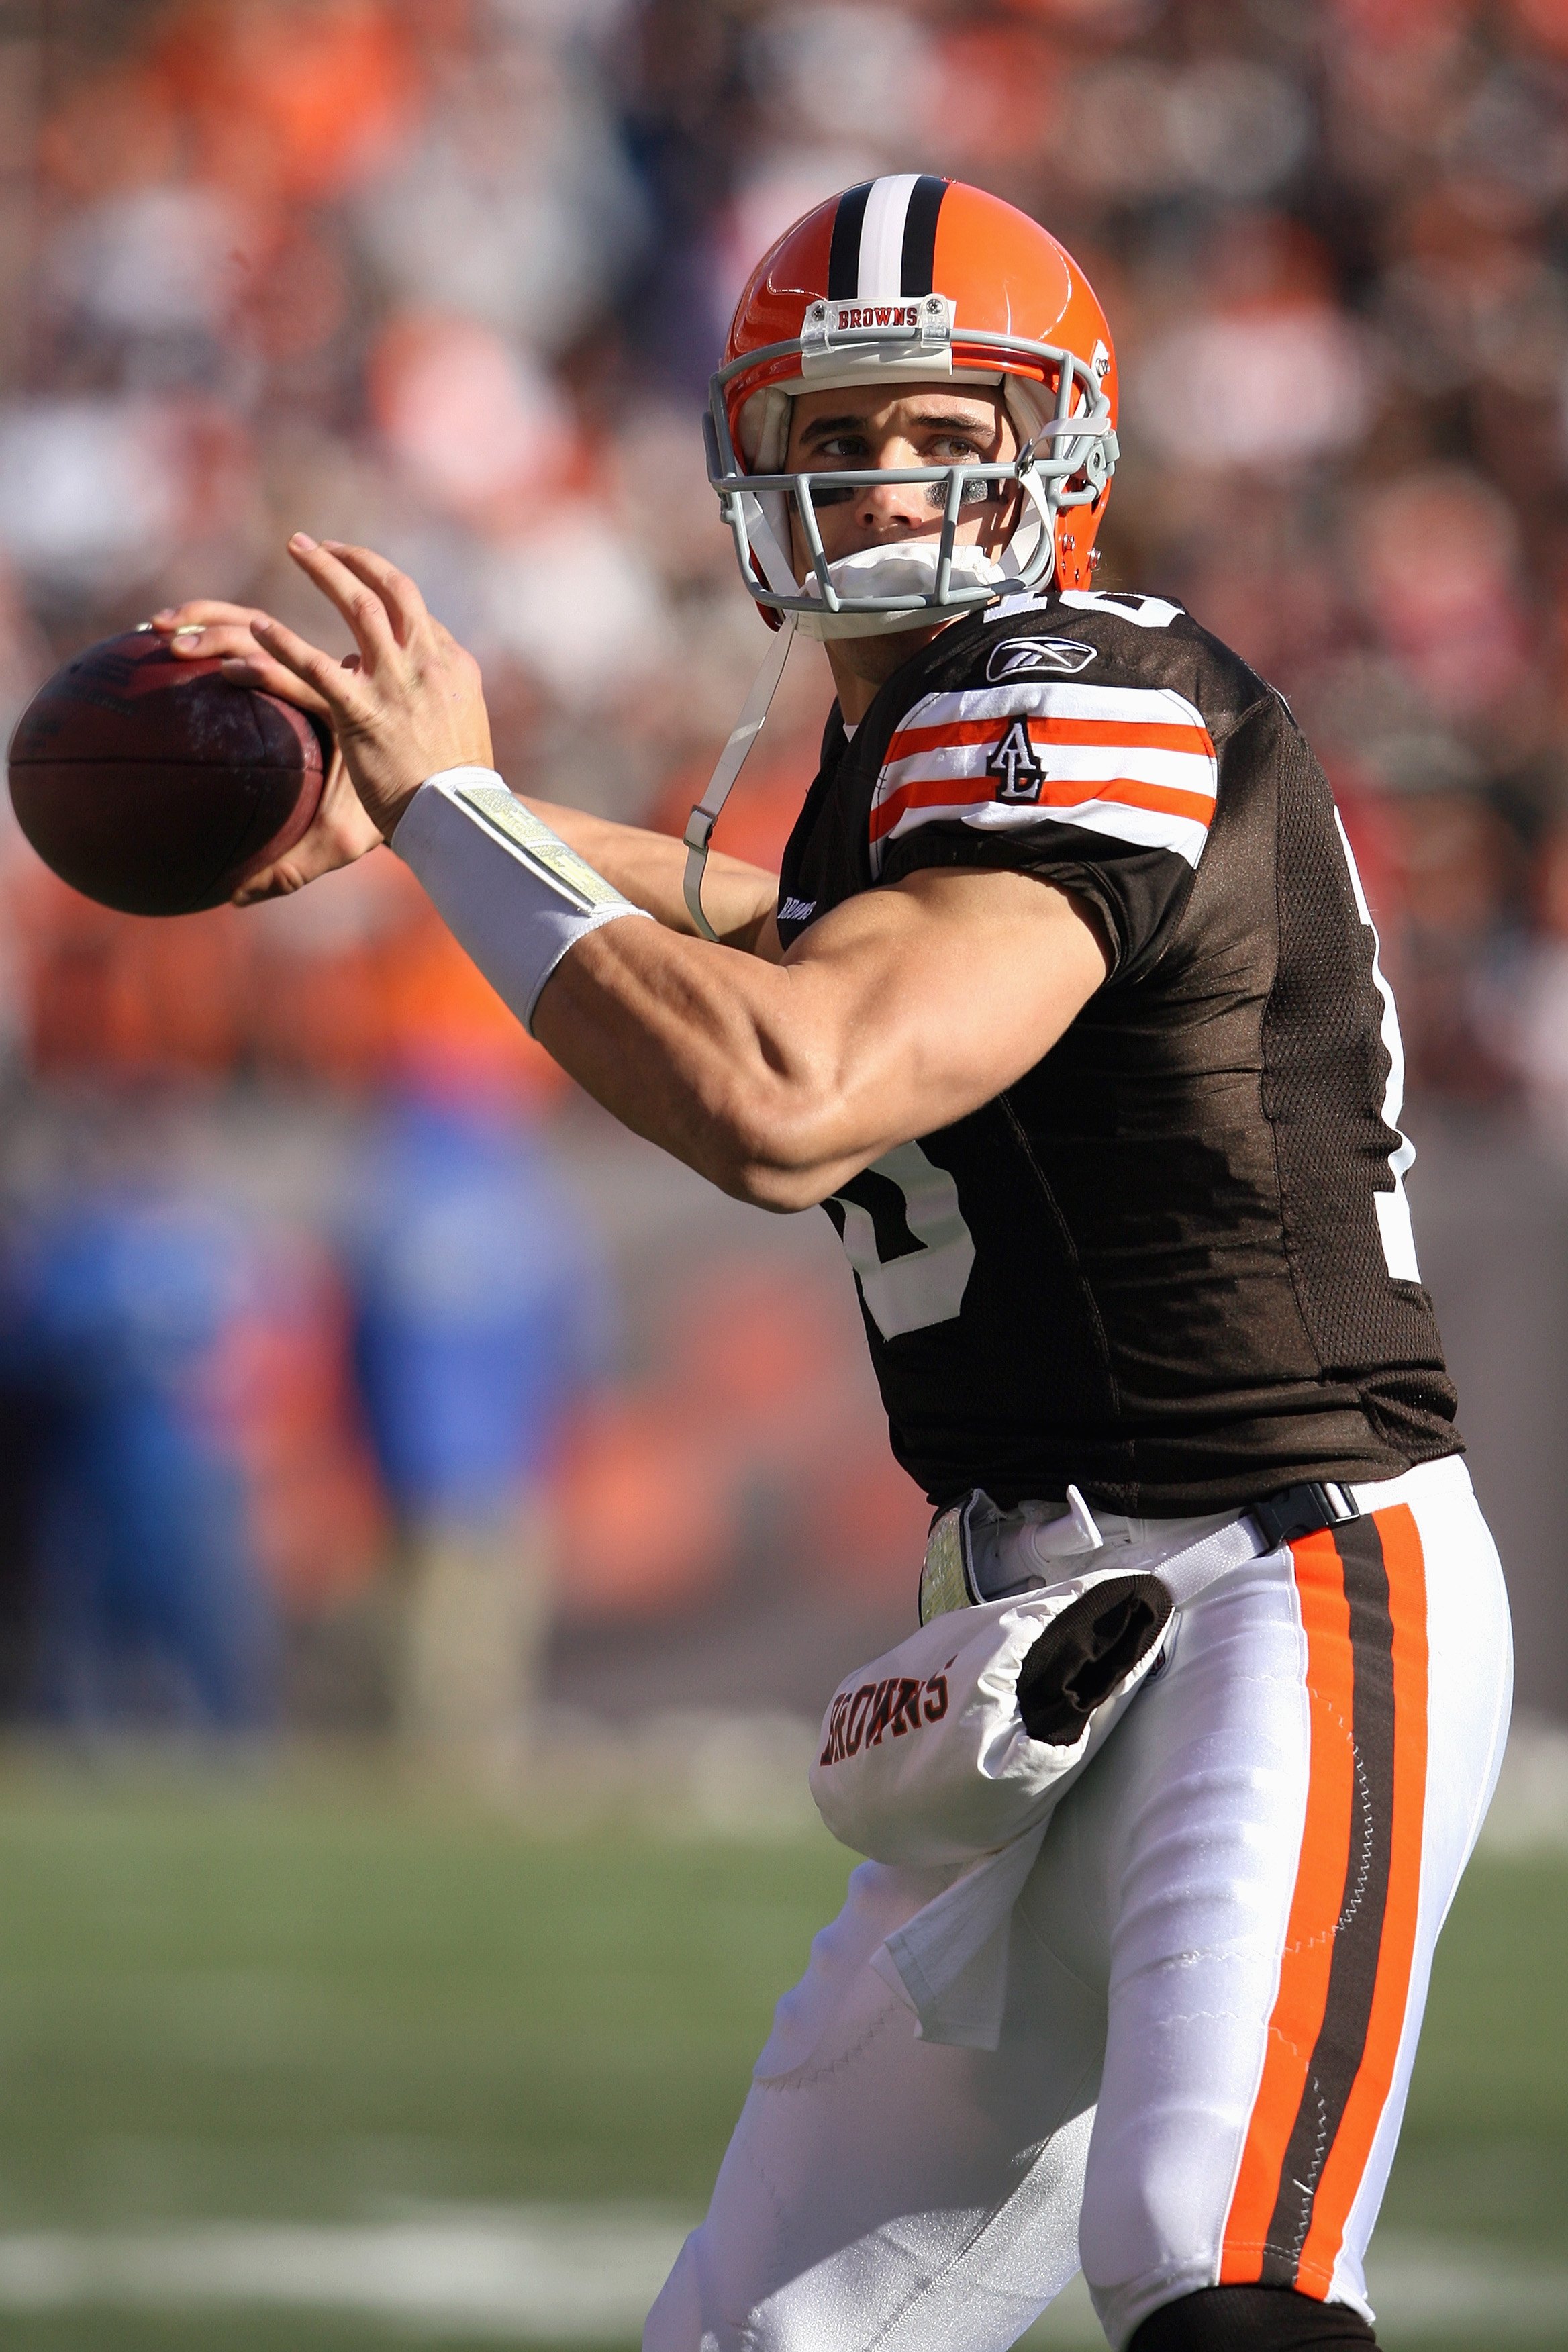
(1339, 2013)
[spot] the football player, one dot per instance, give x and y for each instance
(1067, 1007)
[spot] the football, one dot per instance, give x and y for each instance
(154, 785)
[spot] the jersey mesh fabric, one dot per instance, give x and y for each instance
(1325, 1070)
(1168, 1280)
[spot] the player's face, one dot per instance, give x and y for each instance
(890, 426)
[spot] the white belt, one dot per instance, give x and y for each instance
(977, 1552)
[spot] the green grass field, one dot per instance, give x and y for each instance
(307, 2000)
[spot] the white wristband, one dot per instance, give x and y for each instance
(509, 889)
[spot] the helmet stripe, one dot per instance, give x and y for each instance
(919, 233)
(843, 253)
(882, 236)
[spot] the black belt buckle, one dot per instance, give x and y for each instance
(1303, 1511)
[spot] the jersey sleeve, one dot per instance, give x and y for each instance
(1108, 790)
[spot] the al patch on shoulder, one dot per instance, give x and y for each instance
(1038, 657)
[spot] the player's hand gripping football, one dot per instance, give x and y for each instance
(409, 704)
(208, 629)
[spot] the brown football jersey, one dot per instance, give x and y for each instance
(1173, 1264)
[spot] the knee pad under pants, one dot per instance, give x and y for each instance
(1251, 2319)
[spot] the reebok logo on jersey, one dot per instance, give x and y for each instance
(1039, 657)
(797, 911)
(899, 1705)
(1014, 764)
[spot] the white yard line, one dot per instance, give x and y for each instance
(572, 2273)
(587, 2275)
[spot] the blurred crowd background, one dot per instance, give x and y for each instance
(354, 1371)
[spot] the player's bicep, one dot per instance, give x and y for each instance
(1000, 961)
(938, 991)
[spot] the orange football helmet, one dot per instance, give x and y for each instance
(916, 278)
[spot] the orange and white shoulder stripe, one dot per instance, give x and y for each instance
(1136, 763)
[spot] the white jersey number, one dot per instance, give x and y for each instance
(1143, 612)
(1392, 1207)
(924, 1284)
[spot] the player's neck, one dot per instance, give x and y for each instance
(860, 665)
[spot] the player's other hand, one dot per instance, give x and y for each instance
(207, 630)
(415, 703)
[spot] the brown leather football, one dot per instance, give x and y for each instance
(154, 785)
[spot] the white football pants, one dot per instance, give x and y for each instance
(1216, 1984)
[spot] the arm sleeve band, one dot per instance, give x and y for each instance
(511, 891)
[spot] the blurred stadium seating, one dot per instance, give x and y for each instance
(448, 274)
